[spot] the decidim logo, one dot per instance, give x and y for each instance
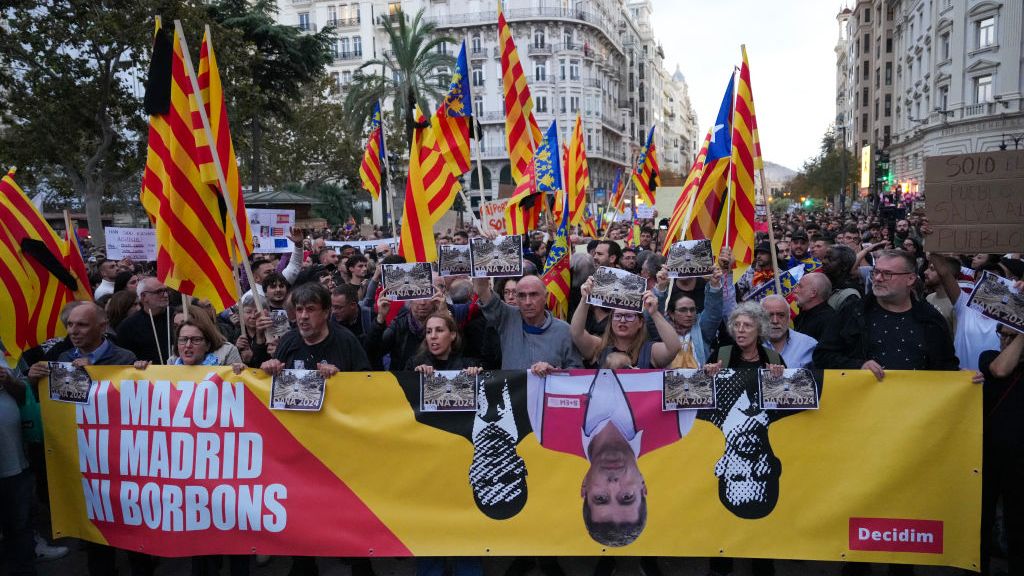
(896, 535)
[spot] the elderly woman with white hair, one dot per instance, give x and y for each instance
(749, 327)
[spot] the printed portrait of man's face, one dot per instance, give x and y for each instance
(497, 474)
(748, 472)
(613, 491)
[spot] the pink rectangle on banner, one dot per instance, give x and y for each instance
(896, 535)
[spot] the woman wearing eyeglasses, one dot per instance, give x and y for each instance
(194, 343)
(625, 332)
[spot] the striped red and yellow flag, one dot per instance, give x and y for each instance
(451, 122)
(522, 134)
(577, 174)
(646, 175)
(522, 213)
(686, 198)
(707, 209)
(372, 168)
(429, 193)
(34, 273)
(589, 225)
(211, 92)
(193, 254)
(556, 277)
(740, 228)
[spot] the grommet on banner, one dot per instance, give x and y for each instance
(370, 551)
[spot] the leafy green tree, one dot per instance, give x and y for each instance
(821, 176)
(313, 146)
(266, 65)
(408, 74)
(72, 119)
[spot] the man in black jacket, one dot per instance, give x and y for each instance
(148, 339)
(889, 329)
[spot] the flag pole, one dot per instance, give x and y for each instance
(479, 162)
(771, 235)
(728, 186)
(214, 154)
(389, 199)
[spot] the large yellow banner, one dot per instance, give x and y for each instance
(179, 461)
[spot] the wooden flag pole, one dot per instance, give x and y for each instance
(771, 235)
(479, 163)
(238, 286)
(389, 201)
(185, 306)
(728, 186)
(221, 179)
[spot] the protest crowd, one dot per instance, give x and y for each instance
(870, 298)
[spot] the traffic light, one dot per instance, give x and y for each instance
(883, 173)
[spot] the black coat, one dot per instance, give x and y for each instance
(845, 343)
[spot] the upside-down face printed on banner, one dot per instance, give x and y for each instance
(192, 460)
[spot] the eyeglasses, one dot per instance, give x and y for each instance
(624, 317)
(886, 275)
(158, 292)
(194, 340)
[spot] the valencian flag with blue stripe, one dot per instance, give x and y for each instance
(545, 171)
(556, 270)
(372, 168)
(647, 176)
(451, 122)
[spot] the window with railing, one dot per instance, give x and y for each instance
(542, 103)
(304, 22)
(478, 75)
(944, 46)
(476, 43)
(538, 38)
(357, 46)
(983, 89)
(540, 72)
(574, 69)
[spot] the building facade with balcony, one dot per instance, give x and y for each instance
(959, 81)
(598, 59)
(865, 70)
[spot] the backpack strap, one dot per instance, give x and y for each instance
(839, 296)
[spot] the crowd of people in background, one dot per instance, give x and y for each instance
(870, 298)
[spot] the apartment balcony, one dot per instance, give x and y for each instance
(539, 49)
(344, 22)
(348, 56)
(306, 27)
(490, 117)
(975, 110)
(488, 17)
(478, 53)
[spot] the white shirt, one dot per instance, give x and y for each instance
(608, 405)
(974, 334)
(105, 287)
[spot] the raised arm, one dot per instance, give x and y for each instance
(947, 276)
(588, 344)
(662, 353)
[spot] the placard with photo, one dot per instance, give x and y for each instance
(301, 390)
(500, 257)
(618, 289)
(688, 388)
(448, 391)
(796, 389)
(996, 297)
(454, 260)
(412, 281)
(281, 325)
(68, 383)
(690, 258)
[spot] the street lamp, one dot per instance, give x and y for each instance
(1017, 139)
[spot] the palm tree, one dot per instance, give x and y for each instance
(411, 72)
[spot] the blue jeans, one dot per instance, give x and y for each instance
(464, 566)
